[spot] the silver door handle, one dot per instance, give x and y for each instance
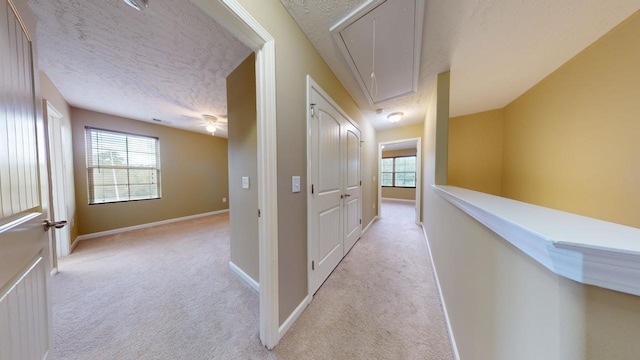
(55, 224)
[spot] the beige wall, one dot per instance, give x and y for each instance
(398, 192)
(475, 151)
(194, 175)
(295, 58)
(50, 93)
(243, 161)
(571, 142)
(400, 133)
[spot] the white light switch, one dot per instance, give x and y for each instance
(295, 184)
(245, 182)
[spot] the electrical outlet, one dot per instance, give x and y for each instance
(224, 200)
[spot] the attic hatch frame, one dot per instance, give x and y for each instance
(231, 15)
(361, 12)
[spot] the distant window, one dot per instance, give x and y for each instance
(399, 171)
(121, 166)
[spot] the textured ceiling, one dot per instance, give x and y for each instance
(496, 49)
(167, 62)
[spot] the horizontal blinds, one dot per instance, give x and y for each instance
(121, 166)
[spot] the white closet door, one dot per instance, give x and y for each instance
(327, 199)
(335, 201)
(352, 201)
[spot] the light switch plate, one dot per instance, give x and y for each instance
(245, 182)
(295, 184)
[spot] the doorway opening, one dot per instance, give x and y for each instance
(399, 171)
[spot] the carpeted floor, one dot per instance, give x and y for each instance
(167, 293)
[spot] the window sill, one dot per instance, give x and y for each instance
(583, 249)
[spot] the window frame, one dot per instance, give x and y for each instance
(90, 168)
(393, 173)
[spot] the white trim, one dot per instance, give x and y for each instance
(244, 276)
(143, 226)
(54, 271)
(369, 224)
(240, 23)
(418, 187)
(286, 325)
(403, 200)
(74, 244)
(452, 338)
(586, 250)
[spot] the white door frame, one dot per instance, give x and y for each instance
(418, 173)
(231, 15)
(60, 246)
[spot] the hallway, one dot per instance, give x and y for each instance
(381, 302)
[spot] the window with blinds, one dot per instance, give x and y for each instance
(121, 166)
(399, 171)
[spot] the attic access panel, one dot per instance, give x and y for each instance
(381, 42)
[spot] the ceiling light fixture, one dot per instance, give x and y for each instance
(395, 117)
(211, 128)
(137, 4)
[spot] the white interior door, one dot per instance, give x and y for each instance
(24, 263)
(327, 208)
(334, 177)
(57, 180)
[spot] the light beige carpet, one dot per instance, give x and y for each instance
(167, 293)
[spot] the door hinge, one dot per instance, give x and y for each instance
(259, 213)
(313, 265)
(313, 109)
(360, 221)
(312, 189)
(360, 182)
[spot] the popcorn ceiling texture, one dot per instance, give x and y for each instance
(165, 62)
(495, 49)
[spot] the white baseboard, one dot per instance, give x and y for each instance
(403, 200)
(293, 317)
(143, 226)
(244, 276)
(369, 224)
(454, 346)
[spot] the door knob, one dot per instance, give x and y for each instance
(55, 224)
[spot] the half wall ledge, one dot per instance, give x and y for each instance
(587, 250)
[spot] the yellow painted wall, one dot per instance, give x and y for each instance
(503, 305)
(193, 175)
(475, 151)
(295, 59)
(398, 192)
(572, 142)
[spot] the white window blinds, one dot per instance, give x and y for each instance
(121, 166)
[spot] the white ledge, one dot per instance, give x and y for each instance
(583, 249)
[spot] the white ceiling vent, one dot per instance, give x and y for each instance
(381, 43)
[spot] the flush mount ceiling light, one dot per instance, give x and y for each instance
(395, 117)
(137, 4)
